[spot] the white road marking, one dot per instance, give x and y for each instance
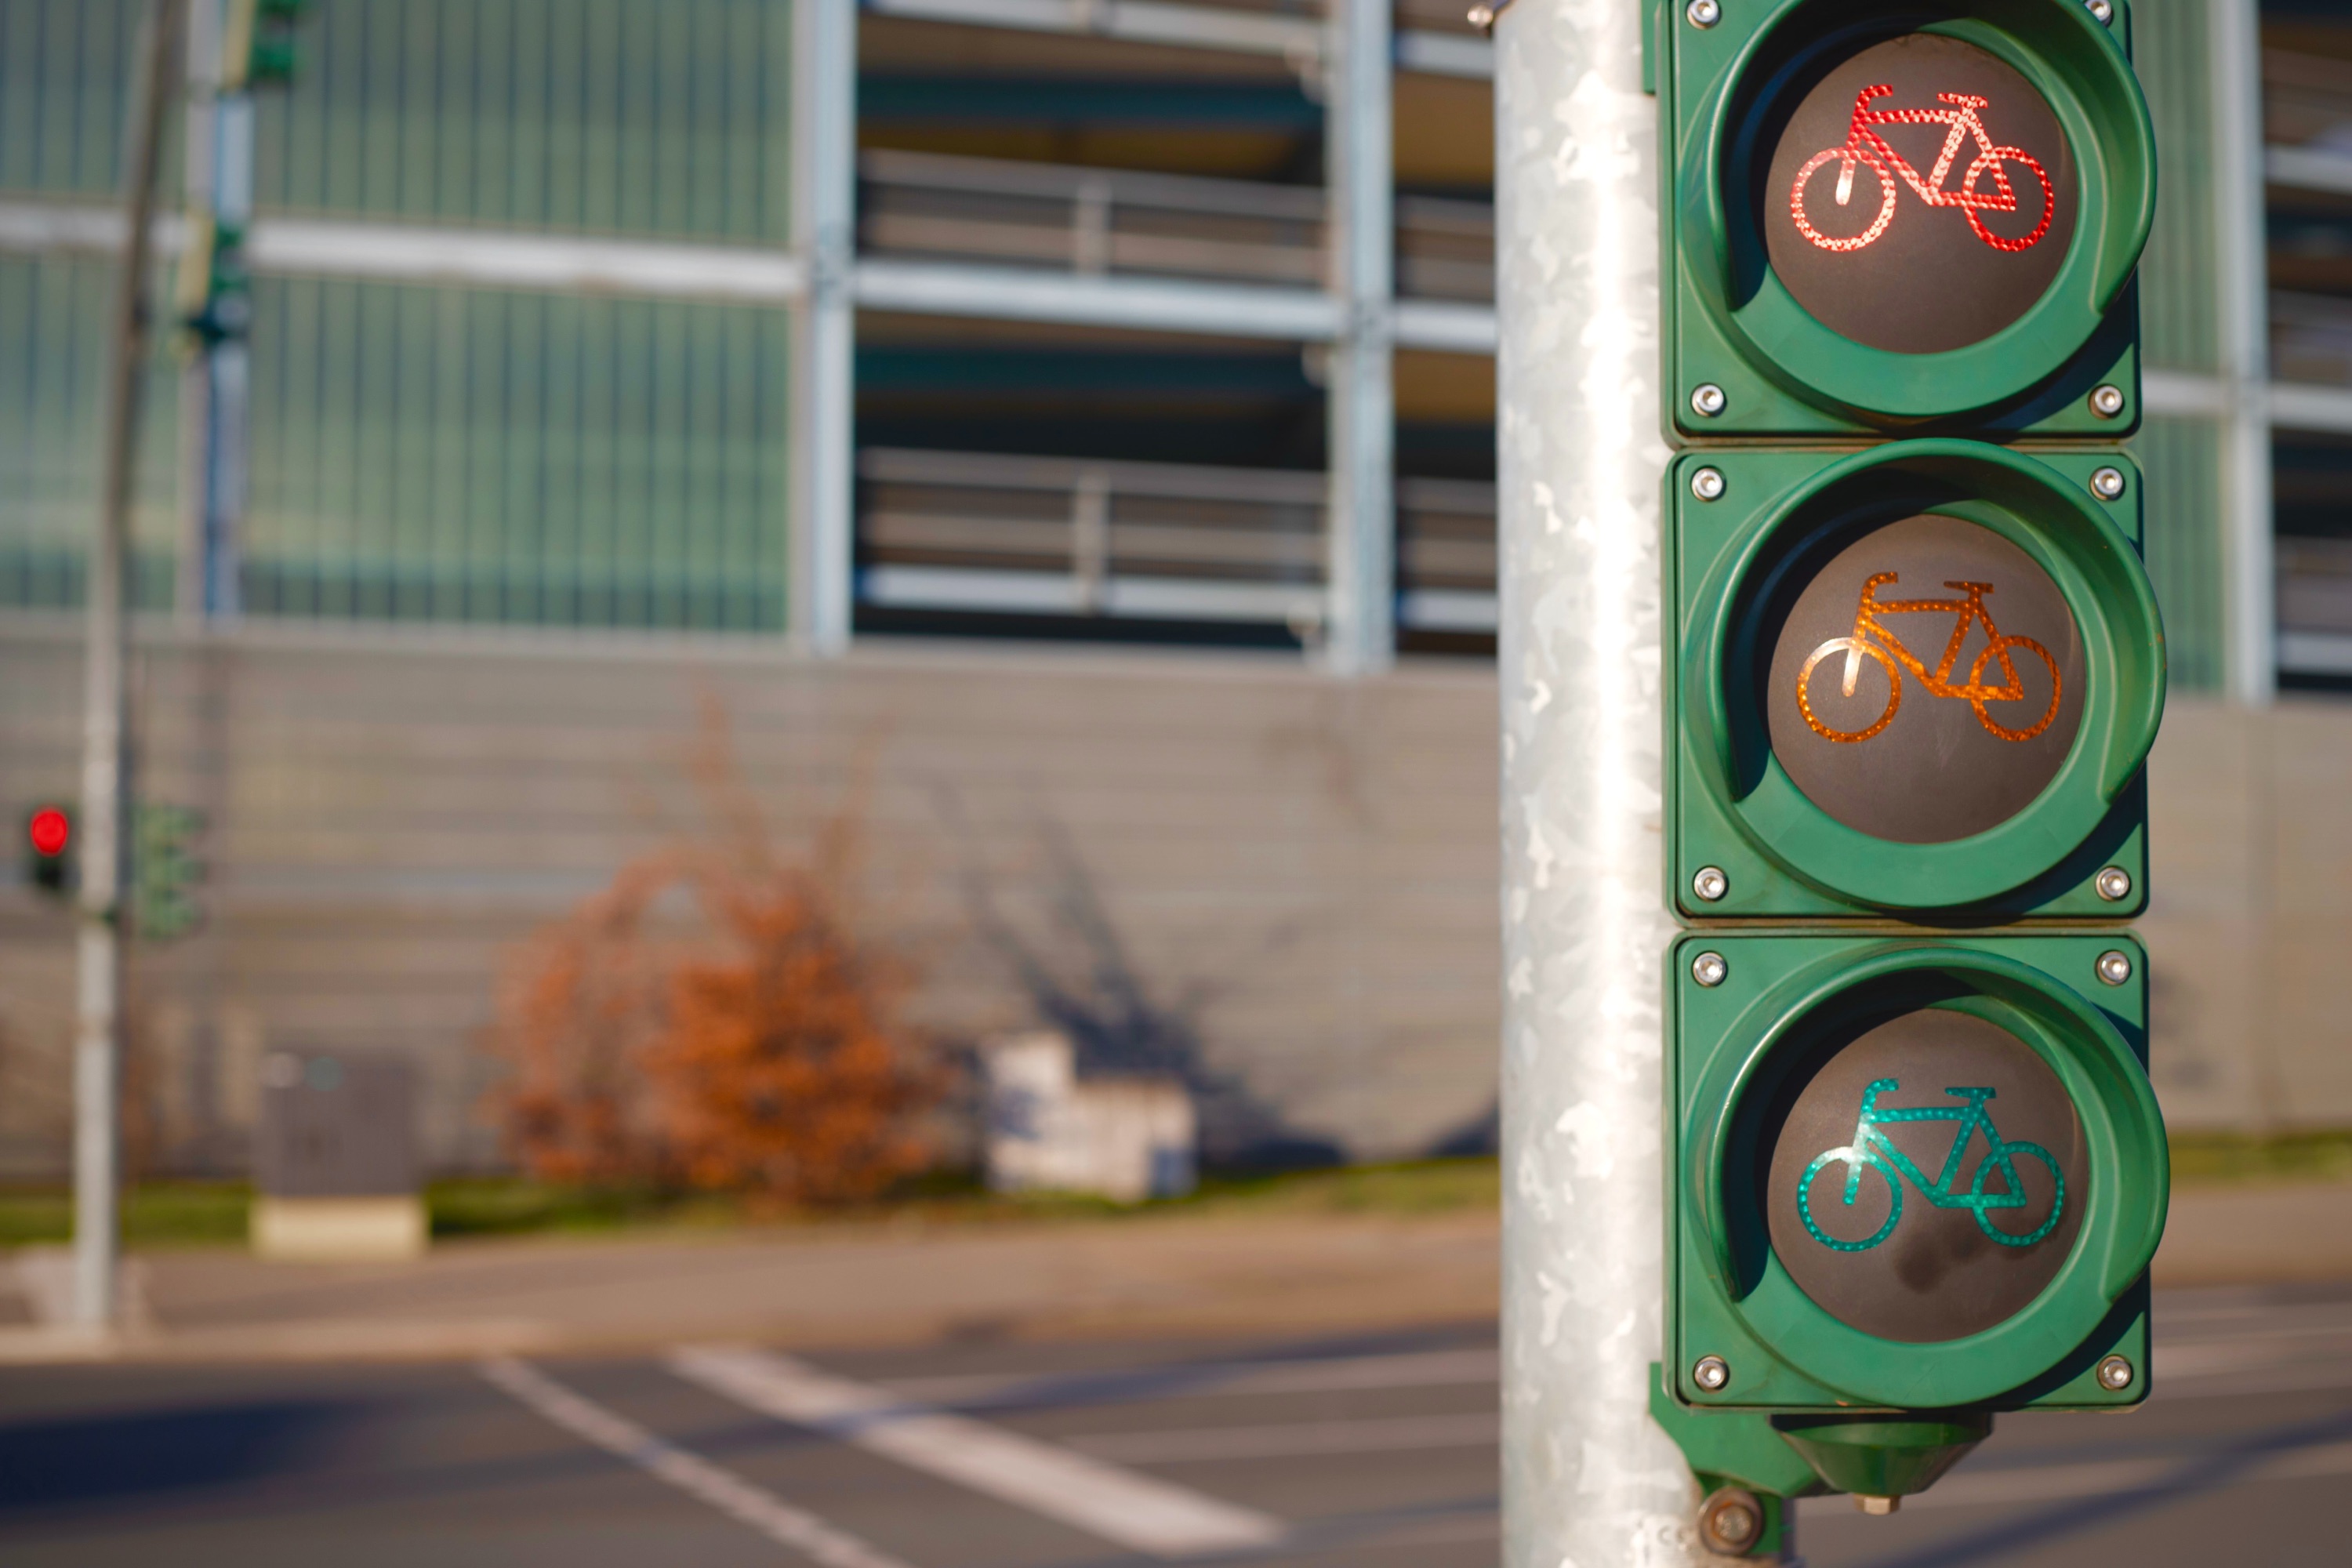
(1190, 1379)
(723, 1488)
(1370, 1435)
(1136, 1512)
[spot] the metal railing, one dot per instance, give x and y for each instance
(1097, 222)
(2307, 121)
(2306, 101)
(2315, 605)
(1060, 536)
(2311, 339)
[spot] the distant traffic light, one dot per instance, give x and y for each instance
(48, 849)
(271, 58)
(214, 293)
(166, 871)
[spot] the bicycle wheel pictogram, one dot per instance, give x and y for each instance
(2003, 1163)
(1853, 1189)
(1855, 648)
(2012, 690)
(1852, 162)
(2003, 195)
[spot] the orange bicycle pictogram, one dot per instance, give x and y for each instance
(1872, 639)
(1863, 144)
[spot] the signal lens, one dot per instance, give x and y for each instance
(50, 830)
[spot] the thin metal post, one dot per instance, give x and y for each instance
(194, 490)
(2249, 572)
(1588, 1479)
(215, 383)
(825, 220)
(1360, 637)
(106, 737)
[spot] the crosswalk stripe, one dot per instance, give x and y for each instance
(1137, 1511)
(696, 1477)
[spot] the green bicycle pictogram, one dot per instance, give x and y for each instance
(1873, 1151)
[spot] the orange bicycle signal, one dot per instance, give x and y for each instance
(1864, 145)
(1870, 640)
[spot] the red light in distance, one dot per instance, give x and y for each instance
(50, 830)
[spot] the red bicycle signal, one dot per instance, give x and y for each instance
(50, 831)
(1864, 146)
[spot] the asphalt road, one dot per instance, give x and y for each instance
(1368, 1450)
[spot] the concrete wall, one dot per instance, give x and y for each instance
(1295, 876)
(2250, 925)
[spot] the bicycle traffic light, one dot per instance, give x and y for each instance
(49, 846)
(1922, 675)
(1914, 669)
(1878, 221)
(1911, 1174)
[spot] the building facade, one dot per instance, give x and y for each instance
(1060, 429)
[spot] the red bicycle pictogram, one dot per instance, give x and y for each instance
(1863, 144)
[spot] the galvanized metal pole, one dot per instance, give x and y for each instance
(215, 397)
(105, 749)
(1360, 571)
(203, 86)
(1588, 1479)
(824, 231)
(2250, 586)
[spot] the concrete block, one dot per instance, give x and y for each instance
(339, 1230)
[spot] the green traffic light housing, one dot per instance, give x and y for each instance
(166, 872)
(212, 295)
(1919, 680)
(1902, 220)
(269, 56)
(1907, 1175)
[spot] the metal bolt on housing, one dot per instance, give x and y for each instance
(1712, 1373)
(2112, 884)
(1730, 1522)
(1709, 968)
(1710, 883)
(2103, 10)
(2116, 1374)
(1708, 400)
(2107, 483)
(2106, 402)
(2115, 966)
(1708, 484)
(1704, 13)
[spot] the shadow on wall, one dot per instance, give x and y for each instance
(1081, 978)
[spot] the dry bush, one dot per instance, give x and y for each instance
(756, 1048)
(577, 1009)
(779, 1069)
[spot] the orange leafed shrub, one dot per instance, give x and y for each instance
(778, 1070)
(577, 1010)
(755, 1048)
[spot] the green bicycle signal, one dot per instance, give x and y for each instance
(1872, 1149)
